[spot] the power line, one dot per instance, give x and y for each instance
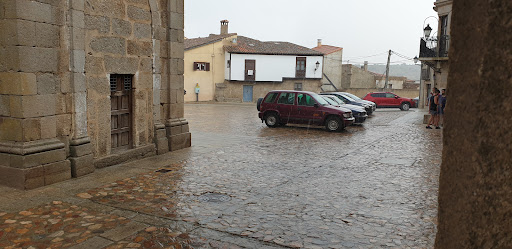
(367, 56)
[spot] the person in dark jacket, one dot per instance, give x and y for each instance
(433, 103)
(440, 107)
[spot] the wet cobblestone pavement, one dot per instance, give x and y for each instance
(243, 185)
(57, 224)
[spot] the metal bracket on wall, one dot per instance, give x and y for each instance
(432, 65)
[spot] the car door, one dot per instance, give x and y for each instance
(391, 100)
(308, 113)
(286, 107)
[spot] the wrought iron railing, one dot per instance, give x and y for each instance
(435, 47)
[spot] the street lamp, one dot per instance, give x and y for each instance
(426, 31)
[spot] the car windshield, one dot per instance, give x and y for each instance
(320, 100)
(352, 96)
(348, 97)
(329, 100)
(336, 99)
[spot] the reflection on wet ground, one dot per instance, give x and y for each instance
(246, 185)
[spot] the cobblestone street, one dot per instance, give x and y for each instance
(243, 185)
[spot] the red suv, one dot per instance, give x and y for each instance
(300, 107)
(387, 99)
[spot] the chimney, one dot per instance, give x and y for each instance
(365, 66)
(224, 27)
(319, 43)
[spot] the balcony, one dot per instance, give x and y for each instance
(434, 48)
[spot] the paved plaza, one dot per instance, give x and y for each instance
(243, 185)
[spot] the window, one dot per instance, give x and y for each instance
(271, 98)
(378, 95)
(305, 100)
(300, 68)
(201, 66)
(298, 87)
(390, 86)
(390, 95)
(425, 73)
(286, 98)
(228, 64)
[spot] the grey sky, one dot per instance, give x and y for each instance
(361, 27)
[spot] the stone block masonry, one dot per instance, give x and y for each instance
(55, 89)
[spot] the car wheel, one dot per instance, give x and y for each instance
(404, 106)
(272, 120)
(334, 124)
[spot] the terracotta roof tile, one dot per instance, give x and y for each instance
(201, 41)
(247, 45)
(326, 49)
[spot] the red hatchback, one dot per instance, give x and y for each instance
(387, 99)
(301, 107)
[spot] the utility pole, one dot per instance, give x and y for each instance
(387, 70)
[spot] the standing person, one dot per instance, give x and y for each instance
(433, 102)
(442, 104)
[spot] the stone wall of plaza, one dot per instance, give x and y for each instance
(55, 99)
(355, 77)
(475, 185)
(232, 91)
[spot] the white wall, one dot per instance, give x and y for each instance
(272, 67)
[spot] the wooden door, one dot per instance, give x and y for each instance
(121, 111)
(300, 69)
(250, 70)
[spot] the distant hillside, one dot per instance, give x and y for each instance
(412, 72)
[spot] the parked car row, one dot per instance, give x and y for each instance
(334, 110)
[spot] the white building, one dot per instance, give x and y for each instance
(253, 60)
(255, 67)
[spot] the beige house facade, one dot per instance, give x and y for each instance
(333, 69)
(205, 65)
(88, 84)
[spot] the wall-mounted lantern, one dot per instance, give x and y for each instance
(426, 31)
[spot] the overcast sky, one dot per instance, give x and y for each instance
(361, 27)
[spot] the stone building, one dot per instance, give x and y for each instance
(434, 48)
(355, 77)
(87, 84)
(333, 57)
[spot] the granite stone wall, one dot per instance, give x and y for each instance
(475, 192)
(56, 60)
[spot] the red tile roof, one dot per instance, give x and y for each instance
(326, 49)
(202, 41)
(247, 45)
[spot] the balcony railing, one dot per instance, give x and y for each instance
(434, 47)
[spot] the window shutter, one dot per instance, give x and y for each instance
(195, 66)
(207, 66)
